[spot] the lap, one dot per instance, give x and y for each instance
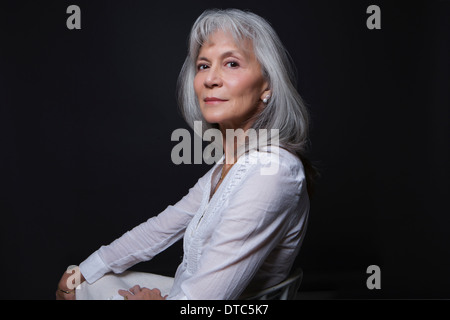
(108, 286)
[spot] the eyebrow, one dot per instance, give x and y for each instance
(223, 55)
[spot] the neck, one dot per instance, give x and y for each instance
(233, 140)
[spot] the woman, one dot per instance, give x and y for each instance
(242, 229)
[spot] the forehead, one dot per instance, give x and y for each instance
(222, 41)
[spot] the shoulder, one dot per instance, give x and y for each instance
(271, 172)
(270, 183)
(275, 162)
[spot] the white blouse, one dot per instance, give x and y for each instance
(245, 237)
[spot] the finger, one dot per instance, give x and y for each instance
(127, 295)
(64, 296)
(157, 291)
(135, 290)
(59, 295)
(124, 293)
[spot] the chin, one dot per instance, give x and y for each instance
(214, 117)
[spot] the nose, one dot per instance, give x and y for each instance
(213, 78)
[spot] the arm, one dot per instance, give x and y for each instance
(255, 220)
(147, 239)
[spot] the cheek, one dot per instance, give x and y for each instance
(245, 88)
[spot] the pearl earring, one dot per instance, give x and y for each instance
(266, 99)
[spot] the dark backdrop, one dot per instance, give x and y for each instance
(86, 118)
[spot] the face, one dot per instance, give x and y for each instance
(229, 83)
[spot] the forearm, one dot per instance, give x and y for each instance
(141, 243)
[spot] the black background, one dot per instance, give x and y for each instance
(86, 118)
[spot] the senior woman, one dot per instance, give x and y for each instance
(242, 229)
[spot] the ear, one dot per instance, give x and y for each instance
(265, 96)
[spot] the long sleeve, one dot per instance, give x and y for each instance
(146, 240)
(264, 211)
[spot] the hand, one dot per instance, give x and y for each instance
(69, 281)
(138, 293)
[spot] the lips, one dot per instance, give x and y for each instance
(213, 100)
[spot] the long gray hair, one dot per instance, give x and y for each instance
(285, 109)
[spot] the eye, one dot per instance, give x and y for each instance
(232, 64)
(201, 66)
